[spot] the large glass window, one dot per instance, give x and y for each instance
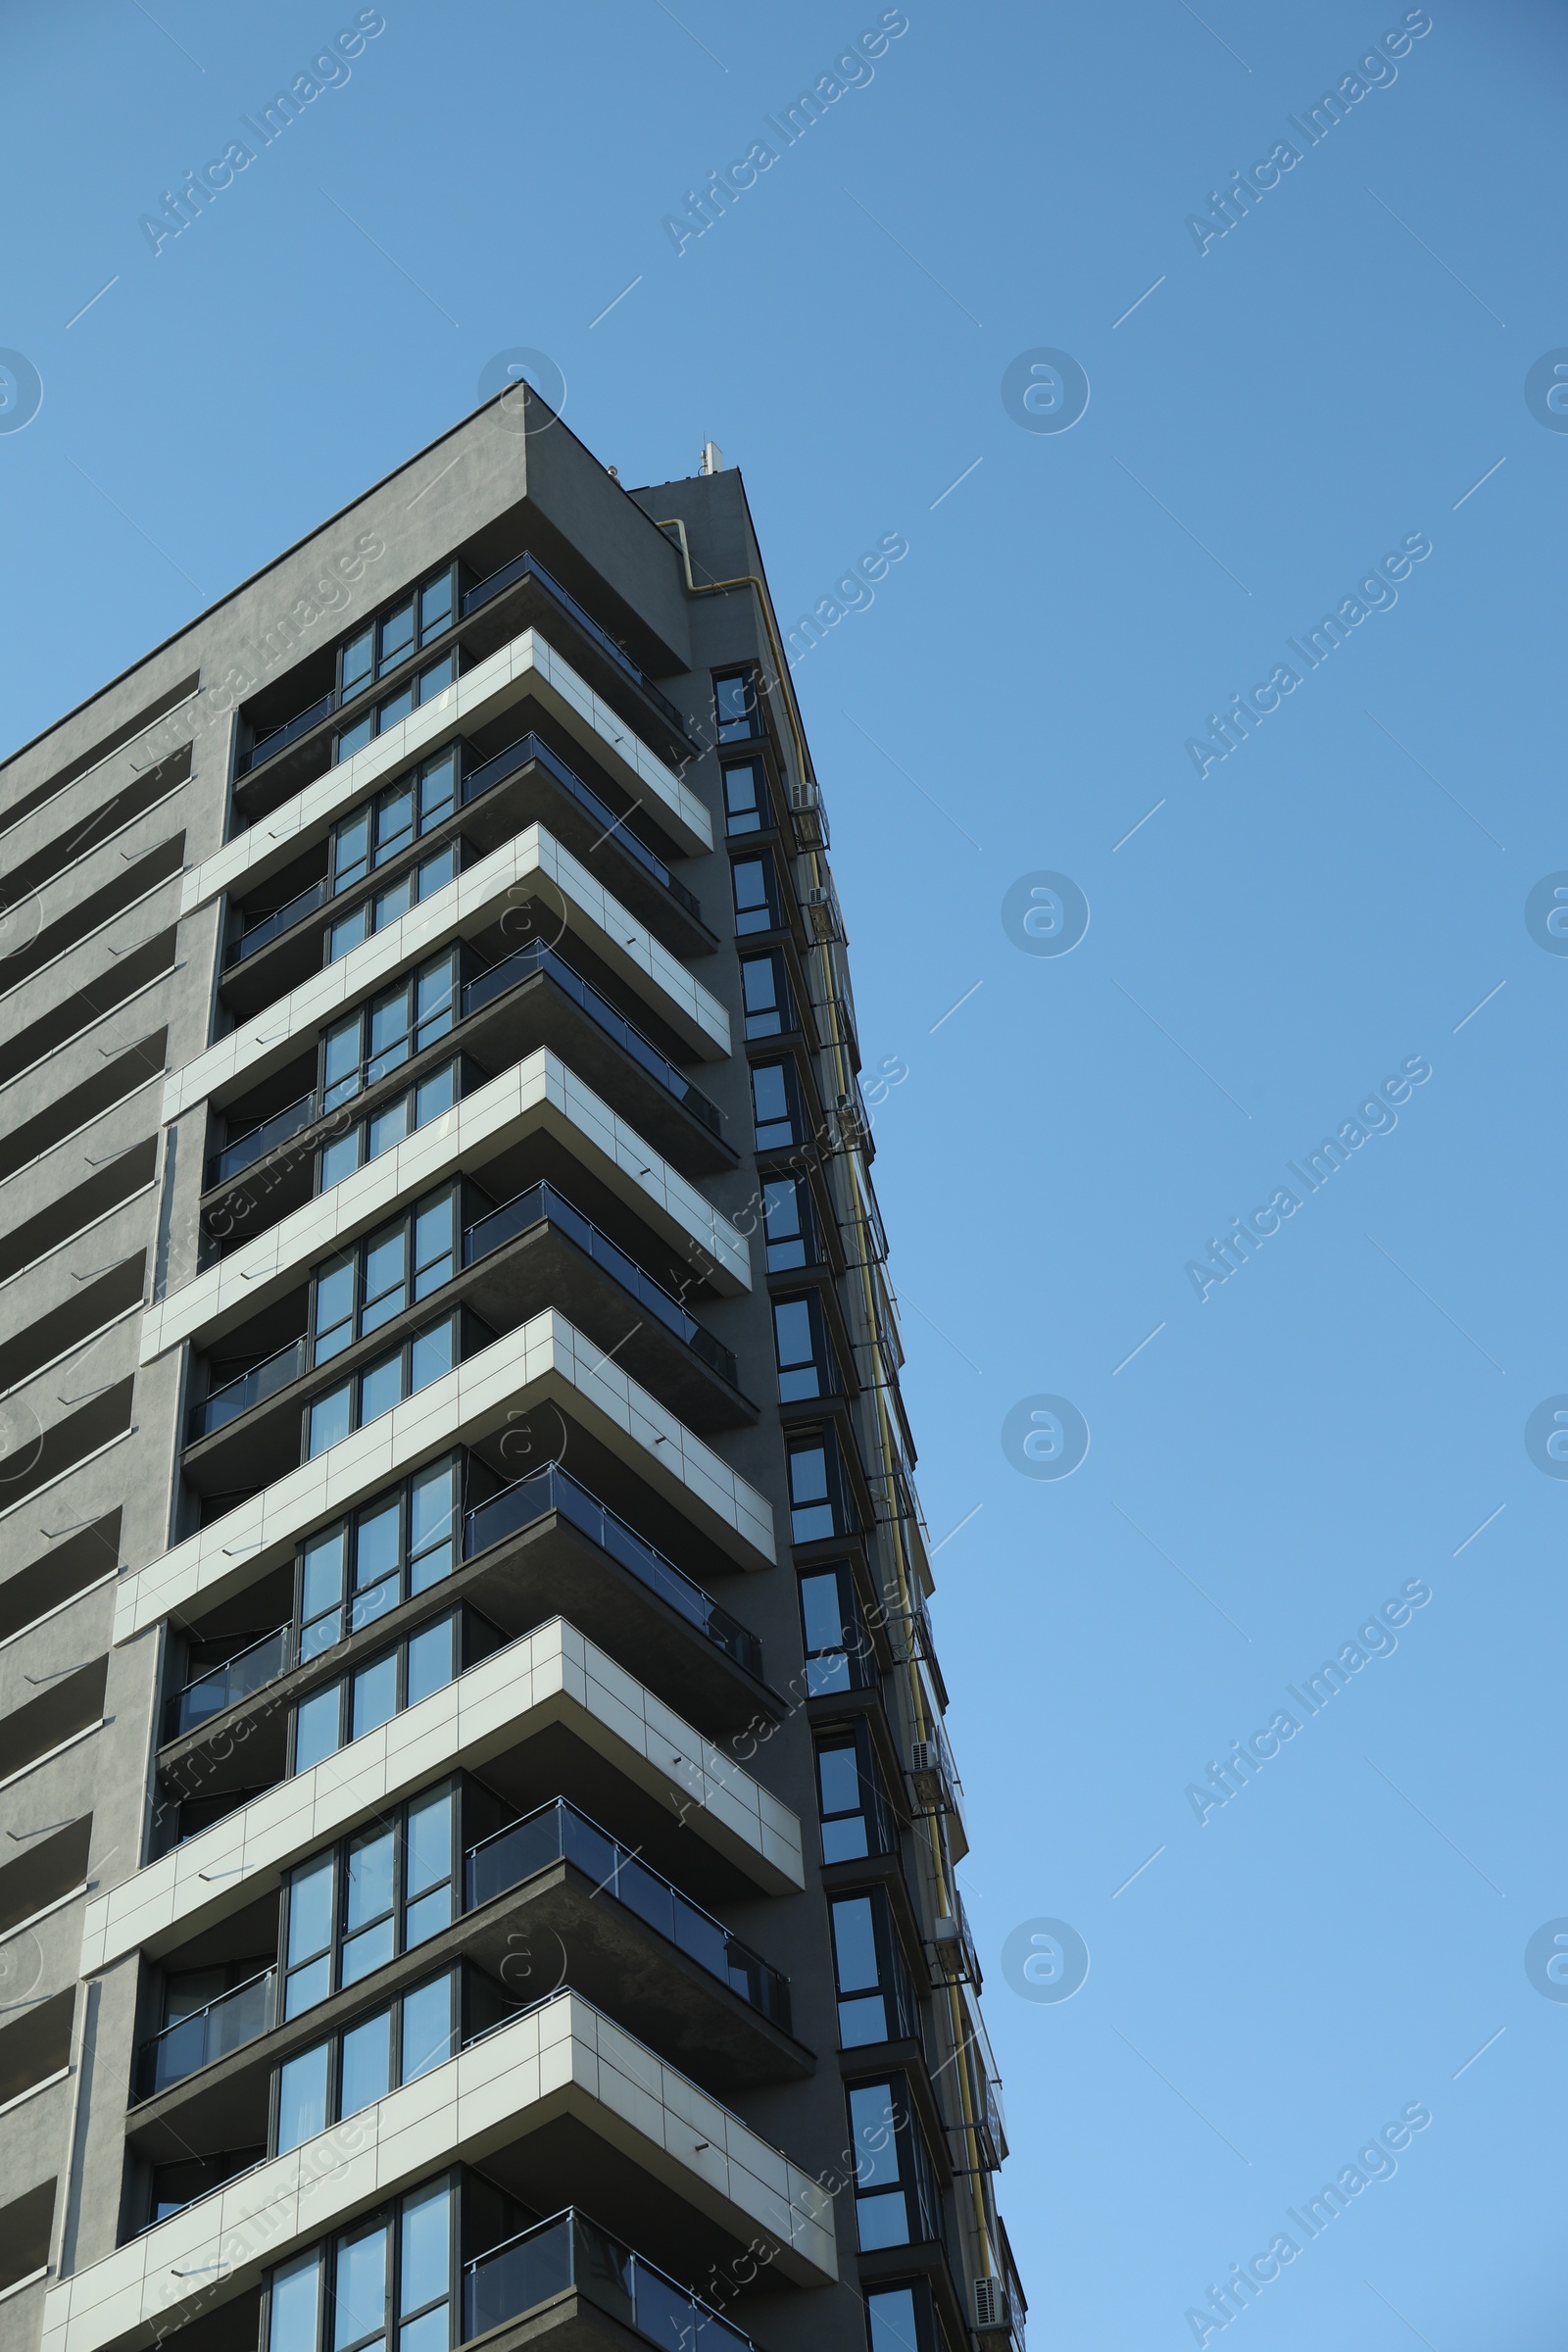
(876, 2002)
(756, 887)
(369, 1138)
(746, 808)
(356, 1703)
(857, 1819)
(800, 1341)
(385, 907)
(765, 996)
(378, 1037)
(434, 679)
(777, 1105)
(838, 1648)
(900, 2318)
(425, 1355)
(396, 1267)
(896, 2202)
(817, 1506)
(735, 706)
(355, 1571)
(360, 2065)
(379, 829)
(385, 2285)
(789, 1224)
(383, 1891)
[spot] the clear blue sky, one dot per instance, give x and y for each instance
(1283, 411)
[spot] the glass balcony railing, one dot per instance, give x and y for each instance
(480, 780)
(528, 746)
(279, 739)
(194, 2041)
(224, 1687)
(236, 1396)
(549, 1489)
(268, 927)
(528, 566)
(558, 1833)
(524, 566)
(541, 1202)
(256, 1141)
(537, 957)
(571, 2252)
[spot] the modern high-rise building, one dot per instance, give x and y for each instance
(477, 1836)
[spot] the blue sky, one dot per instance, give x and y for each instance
(1340, 374)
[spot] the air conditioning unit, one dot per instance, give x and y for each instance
(992, 2306)
(824, 914)
(947, 1949)
(808, 815)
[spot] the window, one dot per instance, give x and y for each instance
(405, 1261)
(838, 1648)
(857, 1819)
(806, 1365)
(382, 1892)
(422, 1357)
(382, 2285)
(393, 1549)
(735, 706)
(876, 2001)
(369, 1138)
(896, 2202)
(900, 2318)
(379, 829)
(378, 1037)
(745, 806)
(817, 1506)
(418, 690)
(789, 1225)
(765, 996)
(356, 1703)
(374, 915)
(777, 1105)
(756, 887)
(360, 2065)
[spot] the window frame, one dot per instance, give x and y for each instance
(751, 705)
(395, 1822)
(332, 2041)
(423, 1030)
(771, 902)
(323, 2257)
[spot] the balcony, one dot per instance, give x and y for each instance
(570, 2253)
(644, 878)
(511, 598)
(224, 1687)
(192, 2042)
(541, 1204)
(527, 567)
(537, 957)
(560, 1833)
(247, 1390)
(532, 1498)
(580, 1034)
(534, 1252)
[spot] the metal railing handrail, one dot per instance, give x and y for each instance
(559, 1492)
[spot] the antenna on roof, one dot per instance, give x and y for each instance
(713, 458)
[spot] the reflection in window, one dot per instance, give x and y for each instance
(765, 996)
(789, 1224)
(425, 1355)
(776, 1105)
(735, 706)
(353, 2069)
(746, 808)
(369, 1138)
(800, 1347)
(383, 1891)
